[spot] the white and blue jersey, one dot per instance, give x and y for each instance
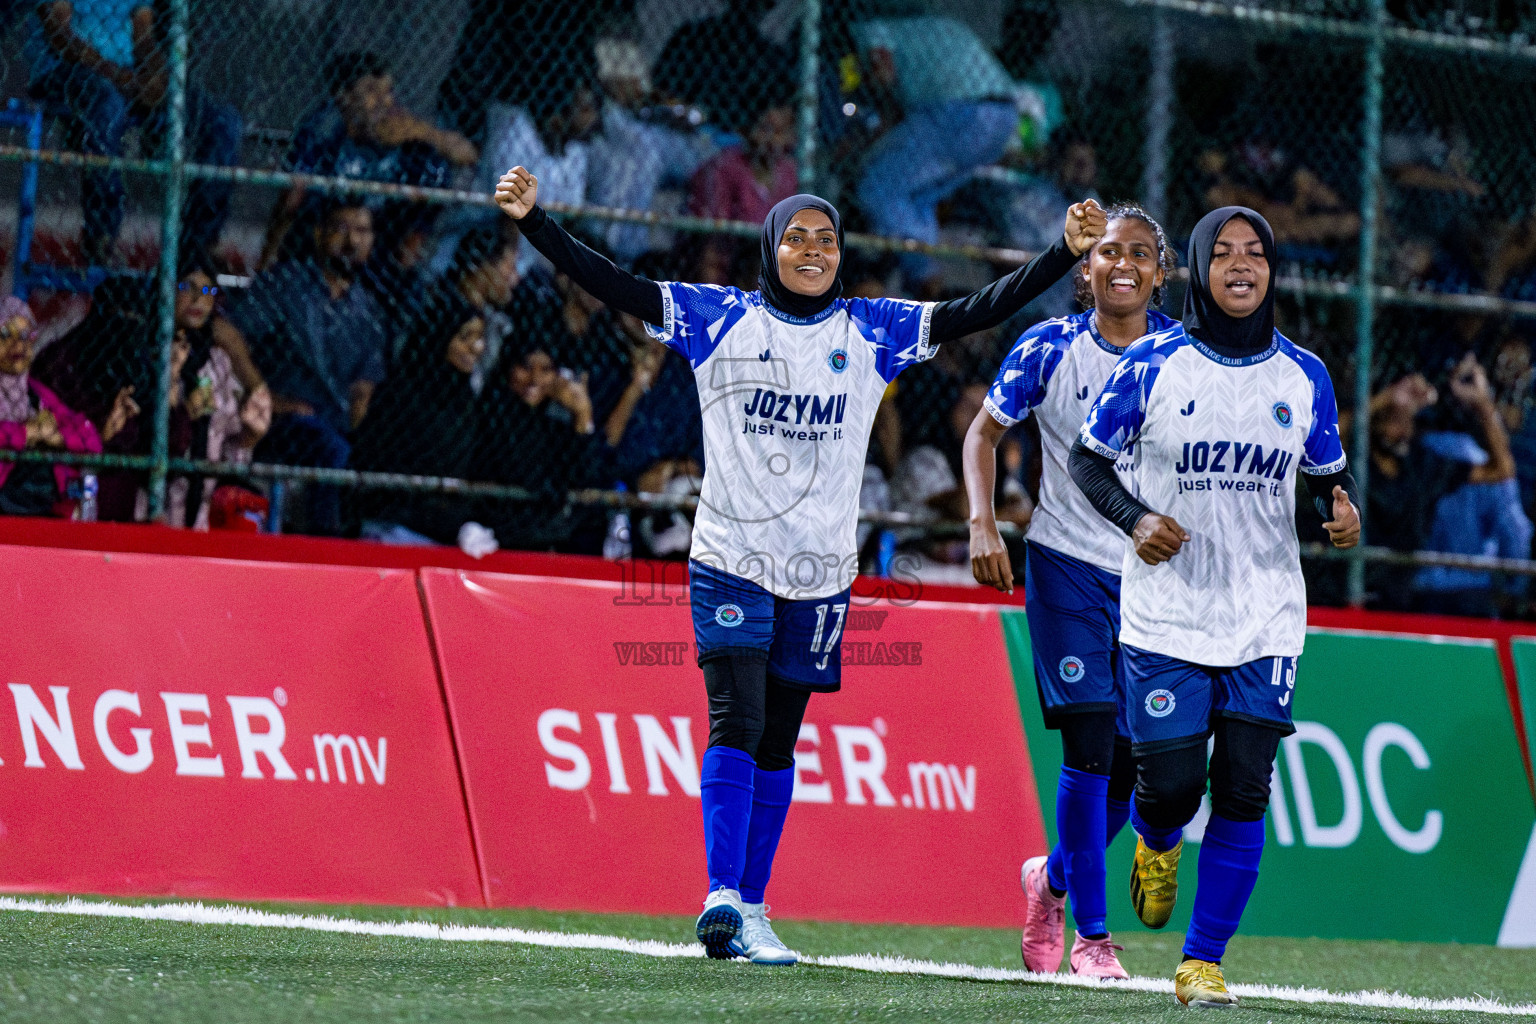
(1072, 568)
(1056, 370)
(788, 404)
(1216, 443)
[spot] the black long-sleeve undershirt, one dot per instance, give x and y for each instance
(640, 297)
(1095, 476)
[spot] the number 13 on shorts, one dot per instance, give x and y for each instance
(840, 611)
(1284, 672)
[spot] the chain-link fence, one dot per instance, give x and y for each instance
(269, 285)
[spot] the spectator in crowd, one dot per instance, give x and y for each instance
(960, 112)
(422, 421)
(494, 52)
(484, 274)
(576, 330)
(724, 65)
(551, 136)
(33, 418)
(1514, 381)
(1310, 220)
(319, 339)
(108, 368)
(361, 131)
(536, 431)
(744, 181)
(397, 276)
(640, 148)
(1072, 169)
(1411, 476)
(104, 62)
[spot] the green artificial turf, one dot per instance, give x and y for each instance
(62, 968)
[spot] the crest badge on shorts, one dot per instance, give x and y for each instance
(730, 615)
(1159, 703)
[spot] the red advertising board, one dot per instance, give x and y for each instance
(223, 729)
(581, 719)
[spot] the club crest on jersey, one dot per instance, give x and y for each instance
(1283, 414)
(730, 615)
(838, 360)
(1159, 703)
(1071, 668)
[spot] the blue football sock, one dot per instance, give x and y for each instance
(1080, 822)
(1158, 839)
(1116, 813)
(771, 792)
(725, 791)
(1056, 863)
(1229, 865)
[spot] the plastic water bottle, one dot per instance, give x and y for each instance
(88, 490)
(617, 546)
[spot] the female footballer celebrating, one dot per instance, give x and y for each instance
(789, 378)
(1217, 415)
(1072, 576)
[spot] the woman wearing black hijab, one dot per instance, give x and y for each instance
(1212, 418)
(789, 378)
(422, 421)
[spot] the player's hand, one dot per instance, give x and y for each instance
(989, 558)
(1344, 528)
(1158, 538)
(517, 191)
(1086, 224)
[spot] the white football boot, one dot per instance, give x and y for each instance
(720, 926)
(761, 944)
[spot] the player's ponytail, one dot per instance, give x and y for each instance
(1167, 257)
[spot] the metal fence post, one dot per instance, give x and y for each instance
(170, 243)
(1154, 179)
(1365, 282)
(810, 53)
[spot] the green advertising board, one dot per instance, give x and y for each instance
(1400, 808)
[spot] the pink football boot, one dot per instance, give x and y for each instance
(1095, 958)
(1045, 921)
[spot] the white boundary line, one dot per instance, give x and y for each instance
(197, 913)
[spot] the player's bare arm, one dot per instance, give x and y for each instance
(1085, 225)
(1158, 538)
(989, 556)
(1344, 528)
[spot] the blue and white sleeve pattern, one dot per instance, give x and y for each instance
(1117, 416)
(695, 317)
(1324, 450)
(1025, 373)
(898, 329)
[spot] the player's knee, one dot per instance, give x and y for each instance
(1122, 772)
(1169, 786)
(735, 703)
(1240, 770)
(1088, 741)
(783, 713)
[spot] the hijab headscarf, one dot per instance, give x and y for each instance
(1229, 336)
(772, 287)
(15, 399)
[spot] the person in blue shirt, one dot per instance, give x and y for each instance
(103, 62)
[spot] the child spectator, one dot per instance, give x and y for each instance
(33, 418)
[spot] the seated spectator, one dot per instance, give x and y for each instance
(33, 418)
(360, 131)
(551, 137)
(536, 431)
(397, 276)
(1310, 220)
(484, 274)
(640, 148)
(576, 330)
(1409, 478)
(422, 421)
(744, 181)
(1481, 517)
(108, 365)
(960, 112)
(104, 62)
(1072, 170)
(319, 339)
(1513, 377)
(724, 65)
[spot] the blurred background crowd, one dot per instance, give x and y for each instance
(373, 330)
